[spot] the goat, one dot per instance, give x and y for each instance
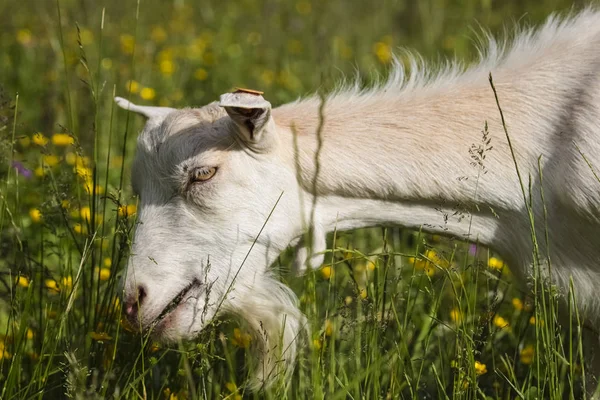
(226, 187)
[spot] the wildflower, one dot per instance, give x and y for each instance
(67, 281)
(303, 7)
(51, 285)
(534, 321)
(317, 344)
(24, 141)
(62, 139)
(107, 262)
(84, 172)
(23, 281)
(147, 93)
(527, 354)
(328, 328)
(50, 160)
(166, 68)
(472, 249)
(154, 347)
(241, 339)
(363, 293)
(88, 186)
(158, 34)
(78, 228)
(348, 300)
(495, 263)
(35, 214)
(201, 74)
(65, 204)
(517, 304)
(480, 368)
(383, 52)
(127, 210)
(85, 213)
(456, 316)
(40, 139)
(371, 265)
(326, 272)
(132, 86)
(500, 322)
(127, 44)
(21, 170)
(4, 354)
(100, 336)
(29, 333)
(24, 37)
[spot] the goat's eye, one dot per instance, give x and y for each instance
(203, 174)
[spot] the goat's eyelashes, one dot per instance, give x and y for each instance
(202, 174)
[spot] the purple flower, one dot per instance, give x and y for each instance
(21, 170)
(472, 249)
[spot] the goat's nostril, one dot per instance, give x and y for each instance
(134, 302)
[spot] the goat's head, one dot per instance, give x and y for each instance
(216, 207)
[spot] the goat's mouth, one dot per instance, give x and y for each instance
(174, 304)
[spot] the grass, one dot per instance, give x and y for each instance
(393, 313)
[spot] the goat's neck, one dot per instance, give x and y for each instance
(410, 161)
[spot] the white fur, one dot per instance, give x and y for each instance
(396, 154)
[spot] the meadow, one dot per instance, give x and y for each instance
(392, 314)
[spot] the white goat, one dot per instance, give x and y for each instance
(226, 187)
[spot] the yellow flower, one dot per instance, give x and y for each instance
(348, 300)
(241, 339)
(127, 44)
(328, 328)
(39, 171)
(88, 186)
(363, 293)
(158, 34)
(480, 368)
(65, 204)
(35, 214)
(147, 93)
(23, 281)
(50, 160)
(100, 336)
(456, 316)
(70, 158)
(534, 321)
(517, 304)
(84, 172)
(85, 213)
(495, 263)
(24, 36)
(25, 141)
(500, 322)
(154, 347)
(371, 265)
(104, 274)
(527, 354)
(62, 139)
(317, 344)
(132, 86)
(29, 334)
(107, 262)
(127, 210)
(78, 228)
(201, 74)
(383, 52)
(67, 281)
(51, 285)
(326, 272)
(40, 139)
(166, 67)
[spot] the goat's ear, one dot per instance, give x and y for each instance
(147, 111)
(251, 114)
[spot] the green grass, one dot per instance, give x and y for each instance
(393, 314)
